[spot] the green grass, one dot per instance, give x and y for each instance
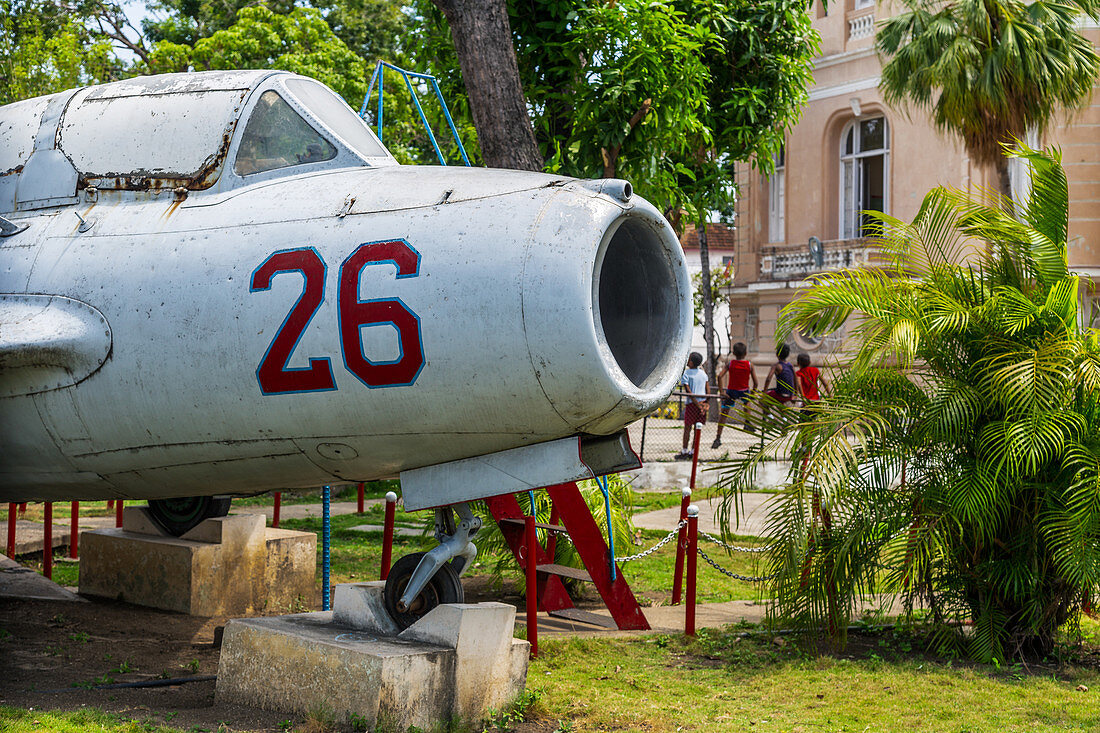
(89, 720)
(722, 682)
(371, 490)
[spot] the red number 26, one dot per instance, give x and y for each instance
(354, 314)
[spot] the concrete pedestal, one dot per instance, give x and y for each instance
(224, 566)
(460, 660)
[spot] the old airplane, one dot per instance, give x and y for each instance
(222, 283)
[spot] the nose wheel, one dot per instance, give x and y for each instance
(443, 587)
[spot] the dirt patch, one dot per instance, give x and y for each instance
(52, 652)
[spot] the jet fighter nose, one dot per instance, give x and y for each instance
(607, 310)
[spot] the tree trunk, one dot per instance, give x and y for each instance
(1004, 178)
(708, 303)
(483, 42)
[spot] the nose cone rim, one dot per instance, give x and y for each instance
(647, 366)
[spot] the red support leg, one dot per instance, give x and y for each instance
(681, 548)
(47, 540)
(361, 492)
(13, 508)
(532, 584)
(275, 511)
(588, 539)
(74, 527)
(552, 594)
(118, 512)
(23, 509)
(387, 534)
(693, 546)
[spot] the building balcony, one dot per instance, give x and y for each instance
(795, 262)
(861, 23)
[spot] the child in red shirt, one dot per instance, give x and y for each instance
(740, 372)
(808, 377)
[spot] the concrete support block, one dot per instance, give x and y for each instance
(481, 636)
(227, 565)
(457, 661)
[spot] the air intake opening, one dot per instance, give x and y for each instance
(639, 302)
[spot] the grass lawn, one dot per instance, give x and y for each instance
(723, 682)
(728, 681)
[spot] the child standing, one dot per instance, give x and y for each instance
(740, 373)
(783, 374)
(695, 409)
(808, 379)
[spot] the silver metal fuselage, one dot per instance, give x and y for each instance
(318, 326)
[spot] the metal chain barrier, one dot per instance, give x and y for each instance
(668, 538)
(732, 548)
(731, 574)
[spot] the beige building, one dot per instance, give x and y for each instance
(851, 152)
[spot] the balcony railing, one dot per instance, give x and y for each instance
(861, 24)
(795, 262)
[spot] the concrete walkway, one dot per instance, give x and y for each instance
(17, 581)
(752, 520)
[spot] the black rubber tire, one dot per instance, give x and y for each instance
(179, 515)
(444, 587)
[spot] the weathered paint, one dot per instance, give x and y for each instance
(544, 307)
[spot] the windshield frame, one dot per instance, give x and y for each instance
(346, 155)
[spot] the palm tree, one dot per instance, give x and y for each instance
(989, 70)
(958, 461)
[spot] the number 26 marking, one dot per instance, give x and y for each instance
(273, 374)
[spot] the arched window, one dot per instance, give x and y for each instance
(864, 152)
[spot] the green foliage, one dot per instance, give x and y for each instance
(988, 71)
(719, 280)
(45, 50)
(958, 461)
(299, 41)
(668, 96)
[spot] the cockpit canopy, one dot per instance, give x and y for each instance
(203, 130)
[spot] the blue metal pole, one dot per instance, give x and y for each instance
(602, 483)
(326, 536)
(450, 122)
(423, 119)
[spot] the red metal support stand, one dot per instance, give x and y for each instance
(387, 534)
(681, 547)
(695, 452)
(111, 504)
(276, 510)
(529, 533)
(23, 509)
(362, 489)
(74, 527)
(12, 509)
(693, 546)
(118, 512)
(47, 540)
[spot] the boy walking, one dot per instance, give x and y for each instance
(695, 409)
(740, 372)
(808, 379)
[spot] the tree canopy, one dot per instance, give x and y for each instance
(989, 71)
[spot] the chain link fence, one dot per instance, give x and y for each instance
(660, 435)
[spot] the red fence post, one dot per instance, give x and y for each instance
(693, 546)
(387, 534)
(695, 452)
(47, 540)
(12, 509)
(118, 512)
(532, 585)
(111, 504)
(74, 527)
(361, 492)
(681, 547)
(275, 511)
(23, 509)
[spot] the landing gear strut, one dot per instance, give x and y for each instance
(419, 582)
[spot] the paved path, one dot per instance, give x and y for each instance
(17, 581)
(752, 519)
